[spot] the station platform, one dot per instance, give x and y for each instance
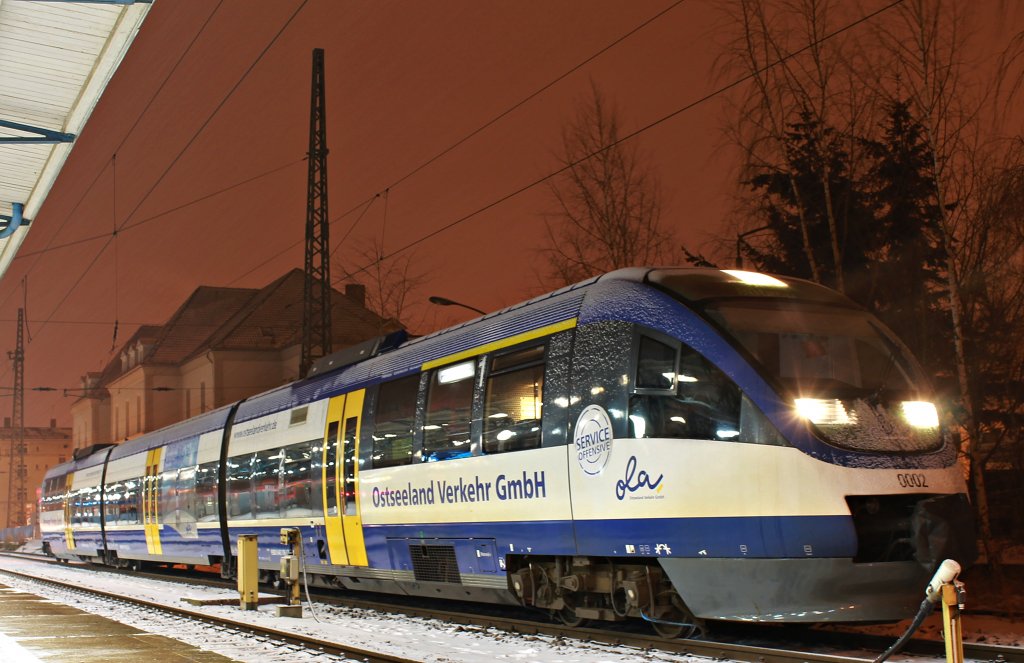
(35, 629)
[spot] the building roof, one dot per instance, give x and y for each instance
(268, 319)
(196, 322)
(273, 319)
(56, 59)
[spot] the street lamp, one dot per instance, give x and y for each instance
(444, 301)
(741, 240)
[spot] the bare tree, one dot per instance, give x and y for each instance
(608, 201)
(817, 89)
(391, 283)
(927, 65)
(925, 47)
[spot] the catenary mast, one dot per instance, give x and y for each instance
(16, 496)
(316, 319)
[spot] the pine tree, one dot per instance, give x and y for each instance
(795, 194)
(909, 260)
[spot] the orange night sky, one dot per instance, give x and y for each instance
(405, 80)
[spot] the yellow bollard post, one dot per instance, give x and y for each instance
(952, 596)
(248, 573)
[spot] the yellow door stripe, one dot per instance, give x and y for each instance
(503, 343)
(151, 503)
(355, 546)
(337, 553)
(69, 535)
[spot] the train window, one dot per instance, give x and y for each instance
(187, 496)
(206, 491)
(266, 480)
(113, 498)
(129, 505)
(239, 483)
(704, 406)
(331, 470)
(295, 497)
(168, 494)
(512, 406)
(348, 491)
(446, 430)
(656, 365)
(394, 421)
(316, 475)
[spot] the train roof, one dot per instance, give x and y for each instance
(693, 284)
(540, 312)
(183, 430)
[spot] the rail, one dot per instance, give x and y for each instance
(799, 648)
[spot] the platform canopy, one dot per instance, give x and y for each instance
(56, 58)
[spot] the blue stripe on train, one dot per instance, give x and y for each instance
(128, 543)
(478, 545)
(765, 537)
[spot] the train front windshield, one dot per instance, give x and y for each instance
(844, 371)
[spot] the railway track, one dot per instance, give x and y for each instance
(289, 645)
(735, 643)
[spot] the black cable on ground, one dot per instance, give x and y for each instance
(923, 611)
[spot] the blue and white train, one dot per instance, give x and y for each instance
(670, 444)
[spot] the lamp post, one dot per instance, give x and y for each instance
(444, 301)
(741, 239)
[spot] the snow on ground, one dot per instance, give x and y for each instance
(411, 637)
(399, 635)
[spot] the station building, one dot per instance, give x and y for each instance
(44, 448)
(221, 345)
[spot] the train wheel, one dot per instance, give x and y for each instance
(674, 619)
(568, 616)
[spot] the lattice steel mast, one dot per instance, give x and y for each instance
(316, 317)
(16, 495)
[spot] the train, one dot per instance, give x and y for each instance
(677, 445)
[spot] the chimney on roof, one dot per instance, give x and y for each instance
(53, 423)
(356, 292)
(7, 422)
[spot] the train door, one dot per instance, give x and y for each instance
(69, 535)
(151, 501)
(344, 526)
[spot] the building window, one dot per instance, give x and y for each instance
(127, 417)
(188, 403)
(117, 422)
(138, 414)
(202, 397)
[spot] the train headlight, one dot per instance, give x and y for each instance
(827, 411)
(921, 414)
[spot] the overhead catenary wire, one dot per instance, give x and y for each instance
(180, 153)
(159, 215)
(547, 177)
(124, 139)
(117, 290)
(647, 127)
(469, 135)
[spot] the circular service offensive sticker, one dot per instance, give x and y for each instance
(593, 439)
